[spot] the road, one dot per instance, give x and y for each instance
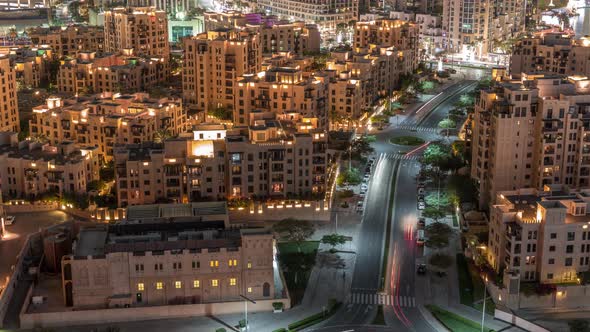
(399, 296)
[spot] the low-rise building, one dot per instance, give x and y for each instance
(92, 72)
(30, 169)
(68, 40)
(184, 256)
(106, 119)
(542, 235)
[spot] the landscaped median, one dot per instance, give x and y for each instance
(407, 140)
(455, 322)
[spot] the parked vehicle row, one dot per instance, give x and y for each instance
(365, 184)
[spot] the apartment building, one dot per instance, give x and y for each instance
(471, 27)
(531, 133)
(143, 29)
(326, 14)
(68, 40)
(430, 31)
(212, 63)
(284, 91)
(30, 64)
(106, 119)
(558, 53)
(30, 169)
(162, 261)
(9, 117)
(172, 6)
(269, 158)
(92, 72)
(540, 234)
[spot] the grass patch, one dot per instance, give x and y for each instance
(544, 4)
(455, 221)
(471, 287)
(455, 322)
(407, 140)
(316, 318)
(388, 228)
(296, 262)
(380, 318)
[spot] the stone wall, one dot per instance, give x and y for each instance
(101, 316)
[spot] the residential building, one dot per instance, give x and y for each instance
(171, 6)
(106, 119)
(557, 53)
(430, 31)
(92, 72)
(181, 259)
(532, 132)
(472, 28)
(9, 117)
(269, 158)
(295, 37)
(143, 29)
(540, 235)
(30, 64)
(212, 63)
(326, 14)
(68, 40)
(283, 91)
(30, 169)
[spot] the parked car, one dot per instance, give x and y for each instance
(9, 220)
(368, 169)
(420, 237)
(421, 191)
(421, 269)
(420, 198)
(421, 206)
(364, 187)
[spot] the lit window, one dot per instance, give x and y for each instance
(232, 262)
(249, 265)
(159, 285)
(214, 263)
(178, 284)
(140, 286)
(249, 289)
(232, 281)
(196, 283)
(214, 282)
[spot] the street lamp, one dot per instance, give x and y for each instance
(246, 300)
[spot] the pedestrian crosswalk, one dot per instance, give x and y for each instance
(382, 299)
(399, 156)
(419, 129)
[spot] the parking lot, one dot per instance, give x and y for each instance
(16, 235)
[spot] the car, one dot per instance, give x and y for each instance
(420, 198)
(362, 194)
(9, 220)
(372, 159)
(421, 206)
(421, 191)
(421, 223)
(364, 187)
(420, 184)
(421, 269)
(420, 237)
(366, 178)
(368, 169)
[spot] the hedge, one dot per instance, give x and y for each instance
(314, 319)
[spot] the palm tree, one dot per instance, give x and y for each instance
(161, 135)
(39, 138)
(12, 33)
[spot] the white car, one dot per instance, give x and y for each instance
(8, 220)
(420, 191)
(421, 205)
(364, 187)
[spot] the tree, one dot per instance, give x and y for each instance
(433, 212)
(334, 239)
(107, 172)
(98, 185)
(161, 135)
(294, 230)
(441, 201)
(438, 235)
(39, 138)
(447, 124)
(435, 154)
(221, 113)
(360, 147)
(350, 176)
(579, 325)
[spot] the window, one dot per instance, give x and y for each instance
(232, 262)
(569, 249)
(571, 236)
(249, 289)
(551, 248)
(232, 281)
(178, 284)
(196, 265)
(196, 283)
(214, 282)
(549, 275)
(140, 286)
(159, 285)
(553, 235)
(551, 261)
(568, 261)
(214, 263)
(249, 265)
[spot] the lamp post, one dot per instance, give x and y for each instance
(483, 312)
(246, 300)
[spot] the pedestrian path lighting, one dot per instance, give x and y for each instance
(246, 300)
